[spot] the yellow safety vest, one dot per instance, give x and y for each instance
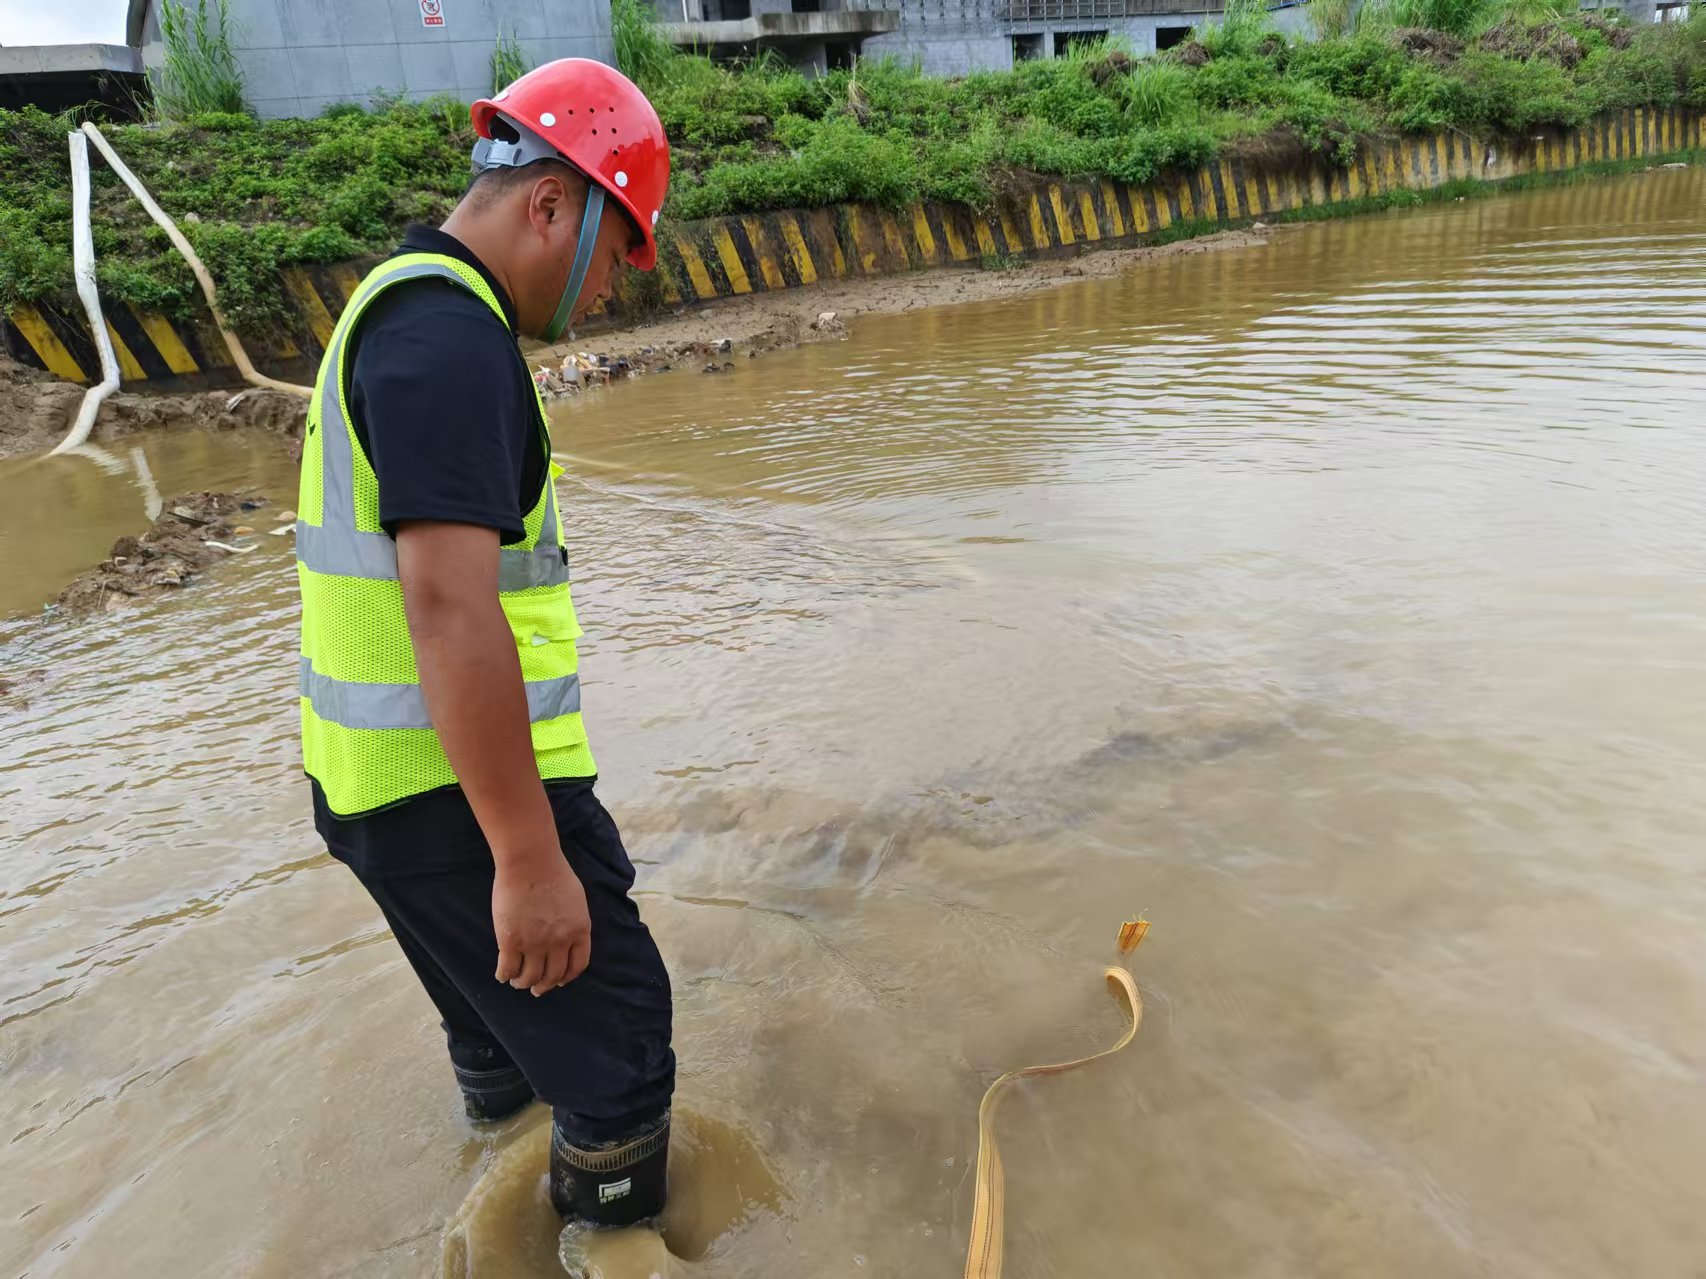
(366, 735)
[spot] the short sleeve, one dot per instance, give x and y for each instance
(436, 394)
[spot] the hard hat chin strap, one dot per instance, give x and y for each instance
(590, 220)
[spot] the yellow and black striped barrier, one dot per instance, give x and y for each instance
(181, 351)
(733, 256)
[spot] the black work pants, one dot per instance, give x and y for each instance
(598, 1049)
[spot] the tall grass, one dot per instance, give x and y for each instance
(509, 63)
(1158, 92)
(1461, 18)
(1243, 26)
(200, 75)
(642, 53)
(1331, 19)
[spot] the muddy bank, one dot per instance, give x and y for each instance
(37, 409)
(707, 338)
(192, 533)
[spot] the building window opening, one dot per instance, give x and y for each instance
(1066, 41)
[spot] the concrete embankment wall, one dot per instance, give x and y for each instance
(732, 256)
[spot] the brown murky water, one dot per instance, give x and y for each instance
(59, 516)
(1338, 602)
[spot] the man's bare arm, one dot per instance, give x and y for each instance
(471, 677)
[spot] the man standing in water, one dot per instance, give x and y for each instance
(440, 699)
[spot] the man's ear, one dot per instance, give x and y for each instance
(549, 202)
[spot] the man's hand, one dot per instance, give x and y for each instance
(539, 913)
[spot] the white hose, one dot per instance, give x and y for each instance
(83, 255)
(248, 370)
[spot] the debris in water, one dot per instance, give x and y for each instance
(828, 322)
(184, 540)
(724, 346)
(1132, 933)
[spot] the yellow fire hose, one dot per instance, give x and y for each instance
(983, 1253)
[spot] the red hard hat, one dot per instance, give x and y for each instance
(601, 123)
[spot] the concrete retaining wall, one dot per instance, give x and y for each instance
(729, 257)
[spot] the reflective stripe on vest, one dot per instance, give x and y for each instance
(352, 553)
(404, 705)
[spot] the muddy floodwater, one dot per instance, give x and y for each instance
(1340, 603)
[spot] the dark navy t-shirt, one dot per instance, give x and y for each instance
(442, 403)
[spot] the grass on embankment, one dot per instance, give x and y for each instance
(747, 139)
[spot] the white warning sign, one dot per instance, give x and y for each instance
(432, 13)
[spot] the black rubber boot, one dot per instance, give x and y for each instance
(493, 1093)
(617, 1183)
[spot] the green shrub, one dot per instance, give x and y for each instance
(959, 172)
(793, 131)
(1613, 79)
(1327, 125)
(230, 121)
(840, 162)
(1143, 156)
(1071, 101)
(30, 267)
(1515, 95)
(360, 207)
(1237, 81)
(1426, 101)
(1366, 67)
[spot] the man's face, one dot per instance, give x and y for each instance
(615, 241)
(554, 213)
